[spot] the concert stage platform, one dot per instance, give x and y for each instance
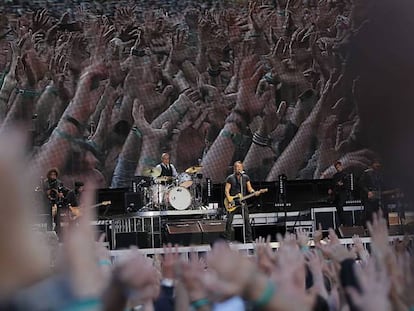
(151, 229)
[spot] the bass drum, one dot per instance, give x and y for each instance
(179, 198)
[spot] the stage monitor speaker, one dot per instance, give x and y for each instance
(212, 230)
(349, 232)
(409, 229)
(184, 233)
(126, 239)
(401, 229)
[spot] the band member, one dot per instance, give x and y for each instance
(73, 196)
(238, 183)
(339, 192)
(73, 200)
(55, 192)
(167, 169)
(372, 185)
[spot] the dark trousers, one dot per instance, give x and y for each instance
(371, 207)
(340, 200)
(229, 223)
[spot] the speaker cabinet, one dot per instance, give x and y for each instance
(212, 230)
(401, 230)
(126, 239)
(184, 233)
(349, 232)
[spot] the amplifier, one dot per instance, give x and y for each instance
(349, 232)
(184, 233)
(212, 230)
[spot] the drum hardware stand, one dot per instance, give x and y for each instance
(197, 192)
(137, 187)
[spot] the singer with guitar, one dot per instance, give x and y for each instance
(238, 185)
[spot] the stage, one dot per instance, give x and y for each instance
(152, 229)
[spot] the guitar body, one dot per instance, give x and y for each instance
(76, 211)
(232, 205)
(237, 200)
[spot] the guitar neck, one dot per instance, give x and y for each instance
(95, 205)
(248, 196)
(253, 194)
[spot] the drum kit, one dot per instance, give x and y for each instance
(180, 193)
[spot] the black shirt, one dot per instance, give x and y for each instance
(57, 187)
(372, 180)
(235, 183)
(340, 177)
(72, 198)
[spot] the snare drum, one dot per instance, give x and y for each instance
(158, 192)
(185, 180)
(179, 198)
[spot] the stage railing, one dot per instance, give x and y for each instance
(247, 248)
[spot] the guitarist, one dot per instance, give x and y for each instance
(73, 197)
(339, 192)
(238, 183)
(372, 185)
(55, 192)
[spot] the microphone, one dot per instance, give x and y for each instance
(242, 172)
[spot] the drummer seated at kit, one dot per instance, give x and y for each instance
(168, 170)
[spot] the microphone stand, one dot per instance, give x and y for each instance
(242, 207)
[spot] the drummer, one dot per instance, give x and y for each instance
(167, 169)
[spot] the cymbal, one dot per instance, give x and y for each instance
(163, 178)
(193, 169)
(151, 172)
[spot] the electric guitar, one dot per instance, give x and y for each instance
(76, 211)
(385, 193)
(236, 200)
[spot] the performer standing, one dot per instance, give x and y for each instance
(339, 192)
(238, 183)
(73, 198)
(372, 186)
(55, 192)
